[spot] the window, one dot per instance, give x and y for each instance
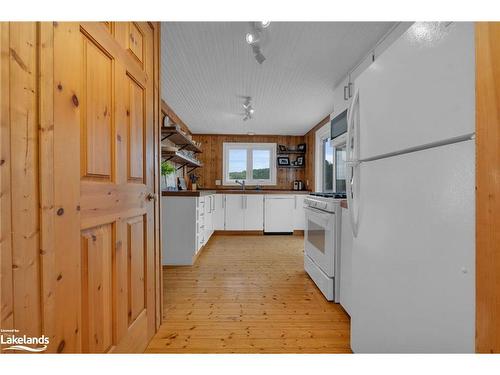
(340, 168)
(254, 163)
(327, 165)
(331, 161)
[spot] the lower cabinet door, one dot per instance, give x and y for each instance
(208, 217)
(299, 215)
(235, 212)
(254, 211)
(218, 214)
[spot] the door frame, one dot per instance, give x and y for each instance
(487, 187)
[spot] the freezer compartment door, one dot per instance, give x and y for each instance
(413, 260)
(419, 91)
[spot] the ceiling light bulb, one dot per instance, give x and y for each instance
(265, 24)
(251, 38)
(251, 111)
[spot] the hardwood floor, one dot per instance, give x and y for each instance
(248, 294)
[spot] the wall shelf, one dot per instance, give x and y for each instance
(174, 134)
(179, 158)
(290, 152)
(291, 166)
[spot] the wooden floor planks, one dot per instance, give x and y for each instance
(248, 294)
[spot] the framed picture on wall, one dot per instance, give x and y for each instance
(300, 160)
(282, 148)
(301, 147)
(283, 160)
(181, 183)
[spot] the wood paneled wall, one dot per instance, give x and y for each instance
(310, 139)
(488, 187)
(212, 158)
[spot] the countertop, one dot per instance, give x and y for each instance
(186, 193)
(202, 192)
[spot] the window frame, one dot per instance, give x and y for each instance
(321, 135)
(249, 148)
(338, 142)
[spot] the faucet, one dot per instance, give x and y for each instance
(242, 184)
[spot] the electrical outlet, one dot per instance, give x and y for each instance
(218, 182)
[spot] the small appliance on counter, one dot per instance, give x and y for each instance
(298, 185)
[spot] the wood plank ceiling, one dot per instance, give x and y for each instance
(208, 69)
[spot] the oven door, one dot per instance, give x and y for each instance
(319, 239)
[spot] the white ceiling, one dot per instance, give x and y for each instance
(207, 69)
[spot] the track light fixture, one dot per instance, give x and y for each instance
(247, 107)
(259, 57)
(253, 39)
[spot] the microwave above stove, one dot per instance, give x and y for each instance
(339, 125)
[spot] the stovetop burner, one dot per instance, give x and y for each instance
(330, 195)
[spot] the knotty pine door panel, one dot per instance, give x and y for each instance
(104, 118)
(20, 266)
(97, 288)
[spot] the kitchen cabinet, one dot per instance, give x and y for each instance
(235, 211)
(279, 213)
(244, 212)
(209, 216)
(299, 215)
(341, 99)
(200, 223)
(182, 223)
(254, 212)
(187, 225)
(218, 214)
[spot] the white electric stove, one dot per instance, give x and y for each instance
(322, 241)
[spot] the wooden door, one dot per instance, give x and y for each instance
(102, 297)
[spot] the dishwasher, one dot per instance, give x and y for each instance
(279, 213)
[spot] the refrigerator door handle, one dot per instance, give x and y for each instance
(352, 150)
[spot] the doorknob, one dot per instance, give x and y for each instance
(151, 197)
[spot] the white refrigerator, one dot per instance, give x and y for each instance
(411, 158)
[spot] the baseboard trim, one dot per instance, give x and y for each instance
(254, 233)
(240, 232)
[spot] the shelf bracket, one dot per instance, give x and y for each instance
(166, 137)
(192, 169)
(182, 166)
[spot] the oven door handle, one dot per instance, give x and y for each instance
(321, 215)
